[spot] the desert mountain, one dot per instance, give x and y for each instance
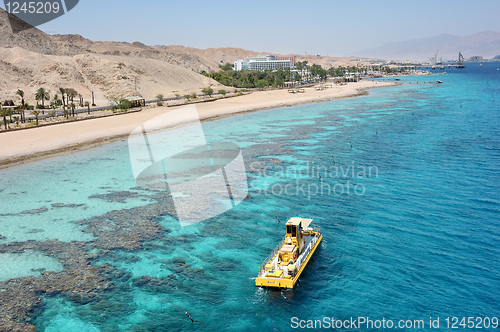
(31, 59)
(485, 44)
(31, 39)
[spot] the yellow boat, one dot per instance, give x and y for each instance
(283, 267)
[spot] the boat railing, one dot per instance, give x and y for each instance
(313, 241)
(271, 256)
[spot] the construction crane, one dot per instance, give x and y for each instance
(460, 61)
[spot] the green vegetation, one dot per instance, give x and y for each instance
(119, 103)
(124, 104)
(226, 67)
(56, 102)
(248, 79)
(63, 92)
(42, 94)
(261, 84)
(72, 106)
(160, 99)
(277, 78)
(208, 91)
(303, 72)
(222, 92)
(20, 93)
(70, 94)
(52, 114)
(87, 104)
(4, 112)
(36, 114)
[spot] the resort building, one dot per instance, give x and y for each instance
(240, 65)
(291, 58)
(264, 62)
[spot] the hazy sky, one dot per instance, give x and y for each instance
(336, 28)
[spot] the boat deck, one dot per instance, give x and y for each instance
(279, 276)
(307, 241)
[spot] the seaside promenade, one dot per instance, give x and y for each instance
(47, 141)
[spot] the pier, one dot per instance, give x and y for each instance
(460, 64)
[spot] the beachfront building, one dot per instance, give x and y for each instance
(264, 62)
(240, 65)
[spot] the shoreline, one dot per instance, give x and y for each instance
(21, 147)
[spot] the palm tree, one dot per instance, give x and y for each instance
(66, 113)
(55, 101)
(3, 113)
(71, 93)
(63, 92)
(72, 106)
(36, 114)
(42, 94)
(87, 104)
(47, 98)
(20, 93)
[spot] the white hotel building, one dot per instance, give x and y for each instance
(264, 62)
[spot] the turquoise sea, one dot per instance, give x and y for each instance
(404, 183)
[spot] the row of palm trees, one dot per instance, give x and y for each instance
(66, 101)
(68, 96)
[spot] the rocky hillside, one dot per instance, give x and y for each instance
(31, 39)
(31, 59)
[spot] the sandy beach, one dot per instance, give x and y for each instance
(22, 146)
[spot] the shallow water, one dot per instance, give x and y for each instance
(409, 213)
(29, 263)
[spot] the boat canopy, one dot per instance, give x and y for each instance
(288, 248)
(296, 221)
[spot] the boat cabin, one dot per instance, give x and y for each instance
(294, 235)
